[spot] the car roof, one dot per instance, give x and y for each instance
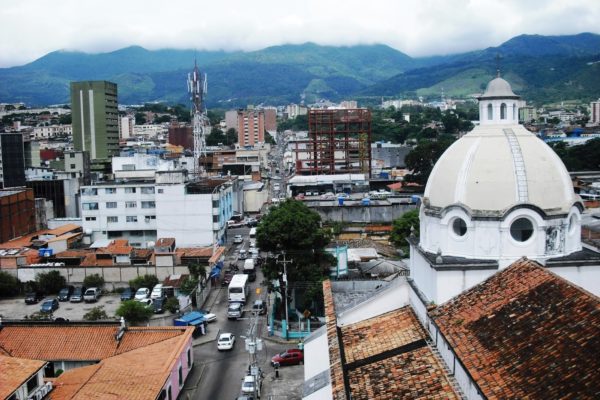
(226, 334)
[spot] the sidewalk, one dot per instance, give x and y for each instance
(212, 331)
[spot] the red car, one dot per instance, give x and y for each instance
(288, 357)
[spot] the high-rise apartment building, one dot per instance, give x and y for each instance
(95, 118)
(12, 160)
(595, 112)
(251, 127)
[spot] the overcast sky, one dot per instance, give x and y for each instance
(33, 28)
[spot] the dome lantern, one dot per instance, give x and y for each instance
(499, 105)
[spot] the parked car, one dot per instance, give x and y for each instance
(288, 357)
(65, 293)
(237, 239)
(127, 294)
(226, 279)
(234, 311)
(249, 385)
(157, 291)
(33, 297)
(243, 254)
(208, 316)
(77, 296)
(142, 293)
(259, 307)
(226, 341)
(159, 305)
(91, 295)
(244, 397)
(147, 302)
(49, 305)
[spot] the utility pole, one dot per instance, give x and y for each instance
(254, 344)
(287, 320)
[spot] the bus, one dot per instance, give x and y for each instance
(252, 232)
(238, 288)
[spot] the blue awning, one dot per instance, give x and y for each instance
(216, 270)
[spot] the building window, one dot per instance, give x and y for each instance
(147, 190)
(215, 218)
(89, 206)
(180, 376)
(71, 155)
(148, 204)
(112, 220)
(130, 204)
(90, 218)
(160, 190)
(189, 358)
(521, 229)
(32, 384)
(490, 112)
(110, 190)
(131, 218)
(503, 111)
(215, 203)
(72, 166)
(514, 111)
(89, 192)
(111, 204)
(459, 227)
(129, 190)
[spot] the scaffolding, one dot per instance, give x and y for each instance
(339, 142)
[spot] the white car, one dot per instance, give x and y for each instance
(147, 302)
(226, 341)
(237, 239)
(210, 317)
(142, 293)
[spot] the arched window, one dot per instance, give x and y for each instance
(503, 111)
(490, 111)
(514, 111)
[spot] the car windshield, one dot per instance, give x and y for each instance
(224, 339)
(141, 291)
(64, 291)
(47, 303)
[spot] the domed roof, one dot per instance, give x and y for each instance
(495, 167)
(499, 88)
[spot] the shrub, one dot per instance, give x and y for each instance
(9, 285)
(93, 280)
(95, 314)
(147, 281)
(172, 305)
(51, 281)
(134, 312)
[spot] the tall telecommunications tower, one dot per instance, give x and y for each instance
(197, 86)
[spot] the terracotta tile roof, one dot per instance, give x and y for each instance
(91, 260)
(194, 251)
(526, 333)
(136, 375)
(77, 342)
(142, 253)
(165, 242)
(175, 280)
(216, 255)
(61, 230)
(73, 253)
(14, 372)
(66, 236)
(380, 334)
(336, 372)
(415, 374)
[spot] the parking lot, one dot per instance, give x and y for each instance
(16, 308)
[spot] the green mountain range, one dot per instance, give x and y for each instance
(541, 68)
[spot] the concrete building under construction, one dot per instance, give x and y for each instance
(339, 142)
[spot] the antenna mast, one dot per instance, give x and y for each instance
(197, 87)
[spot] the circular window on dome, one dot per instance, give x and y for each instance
(459, 226)
(521, 229)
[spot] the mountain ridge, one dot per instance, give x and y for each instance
(545, 66)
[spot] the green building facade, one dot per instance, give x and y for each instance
(95, 118)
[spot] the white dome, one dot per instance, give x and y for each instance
(496, 167)
(498, 88)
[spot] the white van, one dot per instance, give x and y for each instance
(157, 291)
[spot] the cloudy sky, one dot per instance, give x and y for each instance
(32, 28)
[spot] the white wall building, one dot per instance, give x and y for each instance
(595, 112)
(142, 210)
(126, 125)
(46, 132)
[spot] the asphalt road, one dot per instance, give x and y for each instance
(223, 372)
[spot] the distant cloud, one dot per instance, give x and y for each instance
(33, 28)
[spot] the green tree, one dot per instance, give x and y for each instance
(268, 138)
(197, 271)
(140, 118)
(9, 284)
(402, 228)
(51, 281)
(93, 280)
(215, 137)
(231, 136)
(423, 157)
(291, 228)
(147, 281)
(162, 119)
(96, 314)
(65, 119)
(134, 312)
(189, 285)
